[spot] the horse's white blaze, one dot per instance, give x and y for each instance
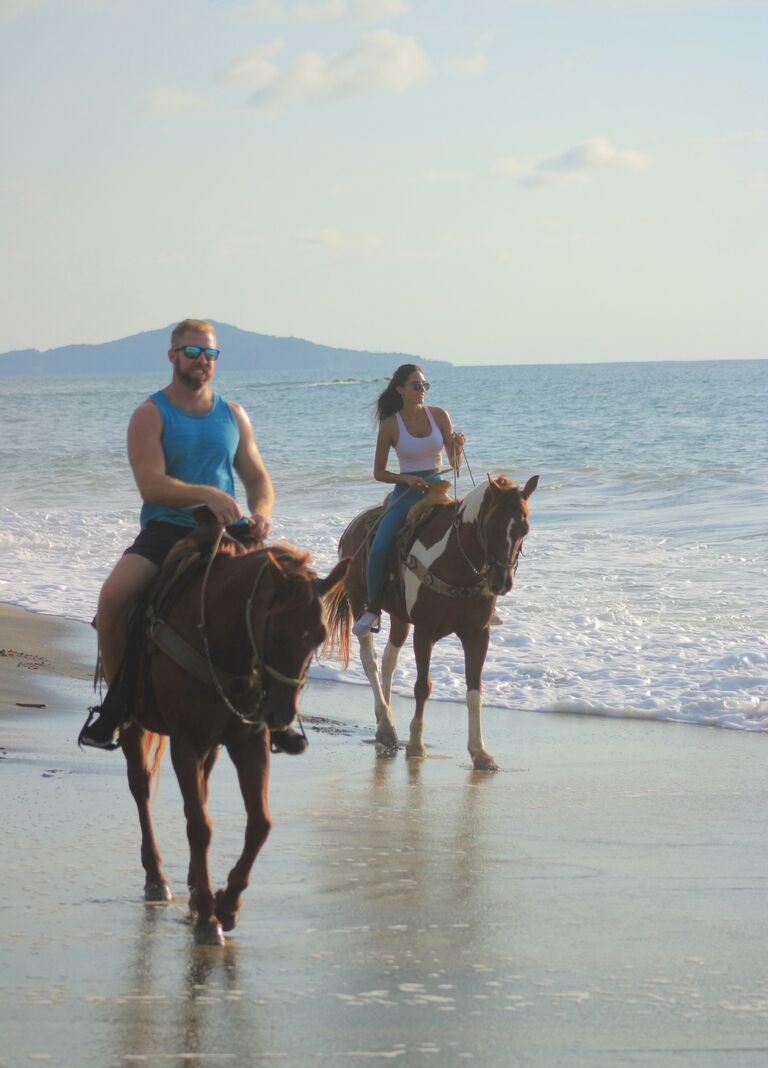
(389, 660)
(427, 557)
(370, 667)
(510, 537)
(470, 506)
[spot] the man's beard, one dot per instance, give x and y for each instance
(191, 378)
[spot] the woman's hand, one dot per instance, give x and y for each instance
(458, 447)
(416, 482)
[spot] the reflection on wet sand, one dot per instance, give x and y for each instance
(187, 1005)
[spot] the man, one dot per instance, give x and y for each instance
(184, 442)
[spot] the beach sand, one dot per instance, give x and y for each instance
(599, 901)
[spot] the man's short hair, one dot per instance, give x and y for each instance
(198, 326)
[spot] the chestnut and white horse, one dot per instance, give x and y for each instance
(444, 580)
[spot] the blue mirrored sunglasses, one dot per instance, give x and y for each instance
(192, 352)
(420, 385)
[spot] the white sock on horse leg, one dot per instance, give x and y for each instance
(475, 742)
(389, 659)
(371, 669)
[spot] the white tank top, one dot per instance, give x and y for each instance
(418, 454)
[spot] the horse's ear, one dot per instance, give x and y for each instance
(530, 486)
(336, 576)
(493, 483)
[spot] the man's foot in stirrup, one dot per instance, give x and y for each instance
(367, 623)
(288, 741)
(101, 732)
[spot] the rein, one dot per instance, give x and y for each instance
(258, 667)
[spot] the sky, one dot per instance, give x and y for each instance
(480, 181)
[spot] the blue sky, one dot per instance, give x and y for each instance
(485, 182)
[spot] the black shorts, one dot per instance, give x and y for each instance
(157, 538)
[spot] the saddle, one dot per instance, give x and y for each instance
(148, 632)
(435, 498)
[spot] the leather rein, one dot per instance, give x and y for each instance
(479, 588)
(203, 667)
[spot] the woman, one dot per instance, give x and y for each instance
(418, 433)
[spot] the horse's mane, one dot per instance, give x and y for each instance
(505, 483)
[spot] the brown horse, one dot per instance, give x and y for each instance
(253, 620)
(445, 581)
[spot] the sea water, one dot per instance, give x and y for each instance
(642, 590)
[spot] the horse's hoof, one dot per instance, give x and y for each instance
(387, 739)
(484, 762)
(227, 916)
(157, 891)
(209, 934)
(415, 751)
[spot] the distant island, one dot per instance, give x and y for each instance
(242, 350)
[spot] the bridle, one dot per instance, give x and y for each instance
(258, 668)
(490, 559)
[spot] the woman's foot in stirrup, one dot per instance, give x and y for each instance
(99, 733)
(367, 623)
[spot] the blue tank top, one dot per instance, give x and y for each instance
(199, 449)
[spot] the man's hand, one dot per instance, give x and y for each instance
(259, 526)
(225, 508)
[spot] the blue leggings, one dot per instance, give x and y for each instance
(402, 500)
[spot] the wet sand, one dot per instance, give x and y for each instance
(600, 901)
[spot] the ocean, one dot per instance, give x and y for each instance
(642, 591)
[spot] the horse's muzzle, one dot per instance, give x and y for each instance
(499, 582)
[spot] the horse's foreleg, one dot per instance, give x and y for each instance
(190, 771)
(398, 632)
(136, 744)
(251, 759)
(386, 734)
(422, 651)
(475, 649)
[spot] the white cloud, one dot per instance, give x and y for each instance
(468, 66)
(171, 103)
(745, 136)
(10, 10)
(314, 11)
(383, 62)
(254, 69)
(573, 166)
(341, 244)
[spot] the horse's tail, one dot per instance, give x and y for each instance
(156, 748)
(338, 613)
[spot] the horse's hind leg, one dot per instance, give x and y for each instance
(250, 755)
(422, 651)
(136, 745)
(398, 632)
(386, 735)
(475, 648)
(190, 771)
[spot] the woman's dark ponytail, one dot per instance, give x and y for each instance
(390, 400)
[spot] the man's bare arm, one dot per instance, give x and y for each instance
(249, 465)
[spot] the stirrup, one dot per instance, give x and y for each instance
(88, 738)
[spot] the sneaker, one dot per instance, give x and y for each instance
(368, 623)
(98, 733)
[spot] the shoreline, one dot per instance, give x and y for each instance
(596, 902)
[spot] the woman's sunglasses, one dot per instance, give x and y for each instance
(419, 386)
(192, 352)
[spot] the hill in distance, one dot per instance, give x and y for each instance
(241, 350)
